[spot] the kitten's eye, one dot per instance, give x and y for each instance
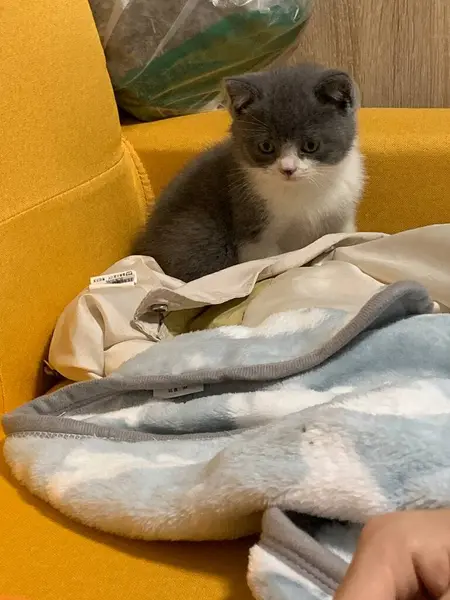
(310, 146)
(266, 147)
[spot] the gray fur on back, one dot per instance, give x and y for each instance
(219, 205)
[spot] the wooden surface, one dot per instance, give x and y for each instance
(397, 50)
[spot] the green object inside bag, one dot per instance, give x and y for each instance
(210, 317)
(187, 78)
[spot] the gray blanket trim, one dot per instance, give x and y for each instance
(302, 567)
(300, 551)
(47, 413)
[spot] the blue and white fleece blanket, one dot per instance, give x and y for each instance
(317, 418)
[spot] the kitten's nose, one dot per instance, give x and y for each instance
(288, 171)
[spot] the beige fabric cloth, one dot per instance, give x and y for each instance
(104, 327)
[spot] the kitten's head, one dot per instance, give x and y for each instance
(293, 122)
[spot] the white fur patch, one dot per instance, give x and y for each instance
(265, 405)
(357, 486)
(422, 398)
(284, 322)
(83, 466)
(299, 205)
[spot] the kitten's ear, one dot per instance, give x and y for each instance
(241, 92)
(337, 87)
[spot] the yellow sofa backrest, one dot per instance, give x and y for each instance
(71, 195)
(407, 157)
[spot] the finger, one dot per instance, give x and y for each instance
(367, 577)
(433, 571)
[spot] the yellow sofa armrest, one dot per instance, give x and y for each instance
(407, 160)
(72, 195)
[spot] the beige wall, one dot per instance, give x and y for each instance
(397, 50)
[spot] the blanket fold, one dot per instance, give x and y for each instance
(317, 418)
(297, 556)
(109, 323)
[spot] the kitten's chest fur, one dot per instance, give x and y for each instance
(297, 213)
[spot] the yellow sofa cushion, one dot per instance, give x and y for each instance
(72, 195)
(407, 156)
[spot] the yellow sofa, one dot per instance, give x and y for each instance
(74, 188)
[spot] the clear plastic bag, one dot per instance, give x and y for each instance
(168, 57)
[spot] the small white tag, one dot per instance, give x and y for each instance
(124, 278)
(175, 392)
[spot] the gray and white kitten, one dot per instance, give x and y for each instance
(290, 172)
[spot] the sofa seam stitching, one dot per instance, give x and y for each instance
(144, 179)
(64, 192)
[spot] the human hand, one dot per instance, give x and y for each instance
(401, 556)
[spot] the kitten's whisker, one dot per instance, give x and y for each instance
(240, 170)
(252, 124)
(318, 183)
(314, 182)
(256, 130)
(239, 186)
(253, 118)
(237, 173)
(245, 192)
(238, 190)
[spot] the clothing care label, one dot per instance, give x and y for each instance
(122, 279)
(175, 392)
